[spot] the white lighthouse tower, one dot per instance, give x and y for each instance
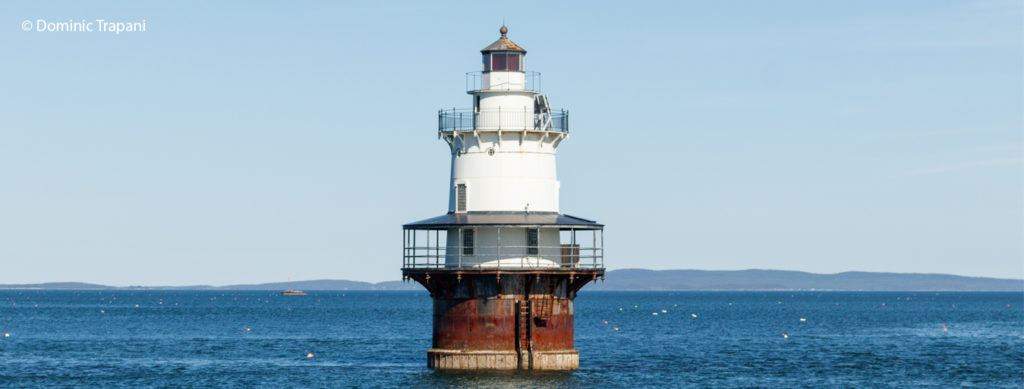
(503, 244)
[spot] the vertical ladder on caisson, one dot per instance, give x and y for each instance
(524, 334)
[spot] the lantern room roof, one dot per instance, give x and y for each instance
(503, 44)
(505, 219)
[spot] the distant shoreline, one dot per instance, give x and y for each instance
(648, 280)
(584, 290)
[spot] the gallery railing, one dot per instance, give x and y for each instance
(466, 119)
(531, 82)
(427, 249)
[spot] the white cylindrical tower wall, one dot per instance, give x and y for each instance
(505, 175)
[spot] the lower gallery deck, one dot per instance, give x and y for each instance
(503, 285)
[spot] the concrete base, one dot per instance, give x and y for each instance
(442, 359)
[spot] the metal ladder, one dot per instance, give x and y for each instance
(524, 334)
(542, 108)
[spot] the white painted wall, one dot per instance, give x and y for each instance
(513, 251)
(506, 175)
(503, 80)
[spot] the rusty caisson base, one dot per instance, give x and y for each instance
(504, 320)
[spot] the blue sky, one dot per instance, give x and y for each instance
(252, 142)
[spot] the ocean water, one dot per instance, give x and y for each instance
(250, 339)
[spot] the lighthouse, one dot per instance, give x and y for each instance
(503, 265)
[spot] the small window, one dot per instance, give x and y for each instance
(498, 62)
(460, 198)
(532, 241)
(467, 242)
(487, 62)
(512, 62)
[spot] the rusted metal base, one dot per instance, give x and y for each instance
(441, 359)
(490, 319)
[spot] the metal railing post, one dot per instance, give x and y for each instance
(574, 252)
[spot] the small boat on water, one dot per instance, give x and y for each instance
(291, 292)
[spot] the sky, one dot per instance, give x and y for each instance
(243, 142)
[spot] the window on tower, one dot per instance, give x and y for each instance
(467, 242)
(532, 244)
(460, 198)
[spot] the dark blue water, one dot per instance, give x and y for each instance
(369, 339)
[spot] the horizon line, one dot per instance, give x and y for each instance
(186, 285)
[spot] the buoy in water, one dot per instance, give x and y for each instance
(943, 328)
(663, 311)
(802, 319)
(694, 315)
(6, 335)
(654, 313)
(615, 328)
(246, 329)
(606, 322)
(784, 336)
(310, 355)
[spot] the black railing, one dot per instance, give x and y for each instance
(449, 120)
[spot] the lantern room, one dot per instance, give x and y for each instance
(503, 55)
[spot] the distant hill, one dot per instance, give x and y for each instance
(55, 285)
(642, 279)
(326, 285)
(300, 285)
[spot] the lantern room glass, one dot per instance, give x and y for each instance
(503, 62)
